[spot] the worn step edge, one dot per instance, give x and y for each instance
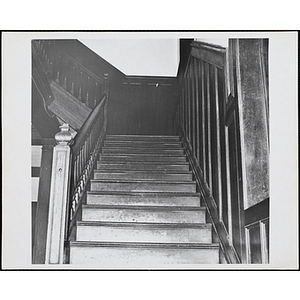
(138, 143)
(143, 155)
(159, 171)
(156, 149)
(142, 136)
(167, 163)
(144, 225)
(141, 194)
(152, 172)
(147, 208)
(143, 181)
(145, 245)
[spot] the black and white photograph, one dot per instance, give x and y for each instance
(151, 151)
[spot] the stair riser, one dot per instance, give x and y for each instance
(142, 151)
(134, 215)
(141, 158)
(151, 138)
(143, 186)
(142, 167)
(142, 234)
(143, 176)
(139, 257)
(142, 200)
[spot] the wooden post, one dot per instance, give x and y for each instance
(58, 197)
(43, 202)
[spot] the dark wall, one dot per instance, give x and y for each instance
(136, 105)
(142, 105)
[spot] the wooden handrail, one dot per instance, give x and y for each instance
(89, 122)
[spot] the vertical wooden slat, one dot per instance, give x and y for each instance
(229, 228)
(203, 119)
(186, 106)
(192, 100)
(197, 133)
(219, 187)
(209, 128)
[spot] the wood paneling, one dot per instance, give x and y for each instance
(142, 105)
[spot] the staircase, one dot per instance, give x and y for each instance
(142, 208)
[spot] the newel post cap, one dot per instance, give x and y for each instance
(64, 137)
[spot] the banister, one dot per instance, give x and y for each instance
(77, 64)
(88, 123)
(75, 78)
(73, 163)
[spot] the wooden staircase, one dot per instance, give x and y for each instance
(142, 209)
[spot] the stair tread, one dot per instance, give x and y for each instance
(144, 224)
(179, 163)
(143, 154)
(143, 207)
(141, 194)
(143, 181)
(143, 135)
(160, 172)
(145, 245)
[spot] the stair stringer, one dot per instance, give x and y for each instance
(229, 254)
(67, 108)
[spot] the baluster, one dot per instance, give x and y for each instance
(72, 77)
(80, 87)
(79, 94)
(57, 71)
(65, 83)
(87, 92)
(66, 74)
(95, 96)
(72, 88)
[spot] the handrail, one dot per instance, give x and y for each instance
(84, 154)
(88, 123)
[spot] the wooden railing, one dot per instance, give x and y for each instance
(69, 73)
(200, 119)
(73, 163)
(217, 125)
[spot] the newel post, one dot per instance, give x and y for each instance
(58, 197)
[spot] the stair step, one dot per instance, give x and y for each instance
(142, 138)
(141, 166)
(143, 232)
(141, 158)
(139, 199)
(142, 254)
(144, 214)
(142, 186)
(142, 150)
(144, 144)
(142, 175)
